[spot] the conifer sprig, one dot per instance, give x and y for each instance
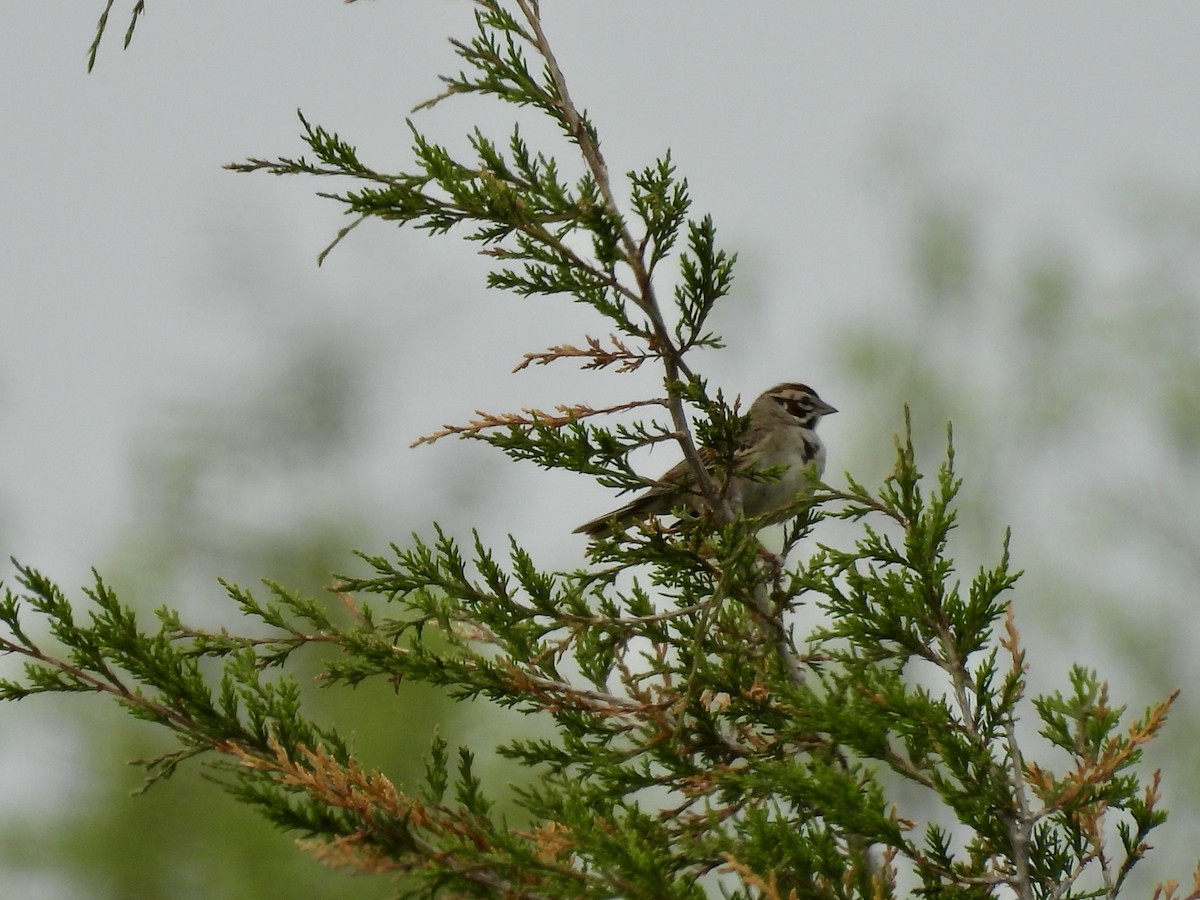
(138, 10)
(551, 235)
(683, 744)
(676, 746)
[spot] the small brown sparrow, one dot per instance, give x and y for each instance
(782, 432)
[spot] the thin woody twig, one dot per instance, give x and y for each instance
(529, 418)
(647, 301)
(596, 355)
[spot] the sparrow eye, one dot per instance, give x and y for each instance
(797, 408)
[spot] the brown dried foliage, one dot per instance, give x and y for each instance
(529, 419)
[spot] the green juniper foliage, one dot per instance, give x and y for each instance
(697, 742)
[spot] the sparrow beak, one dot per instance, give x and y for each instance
(824, 409)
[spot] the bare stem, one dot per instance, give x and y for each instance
(1019, 821)
(646, 299)
(1020, 825)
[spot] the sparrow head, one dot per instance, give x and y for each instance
(799, 402)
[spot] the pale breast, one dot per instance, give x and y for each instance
(802, 452)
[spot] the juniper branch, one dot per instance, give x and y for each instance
(647, 301)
